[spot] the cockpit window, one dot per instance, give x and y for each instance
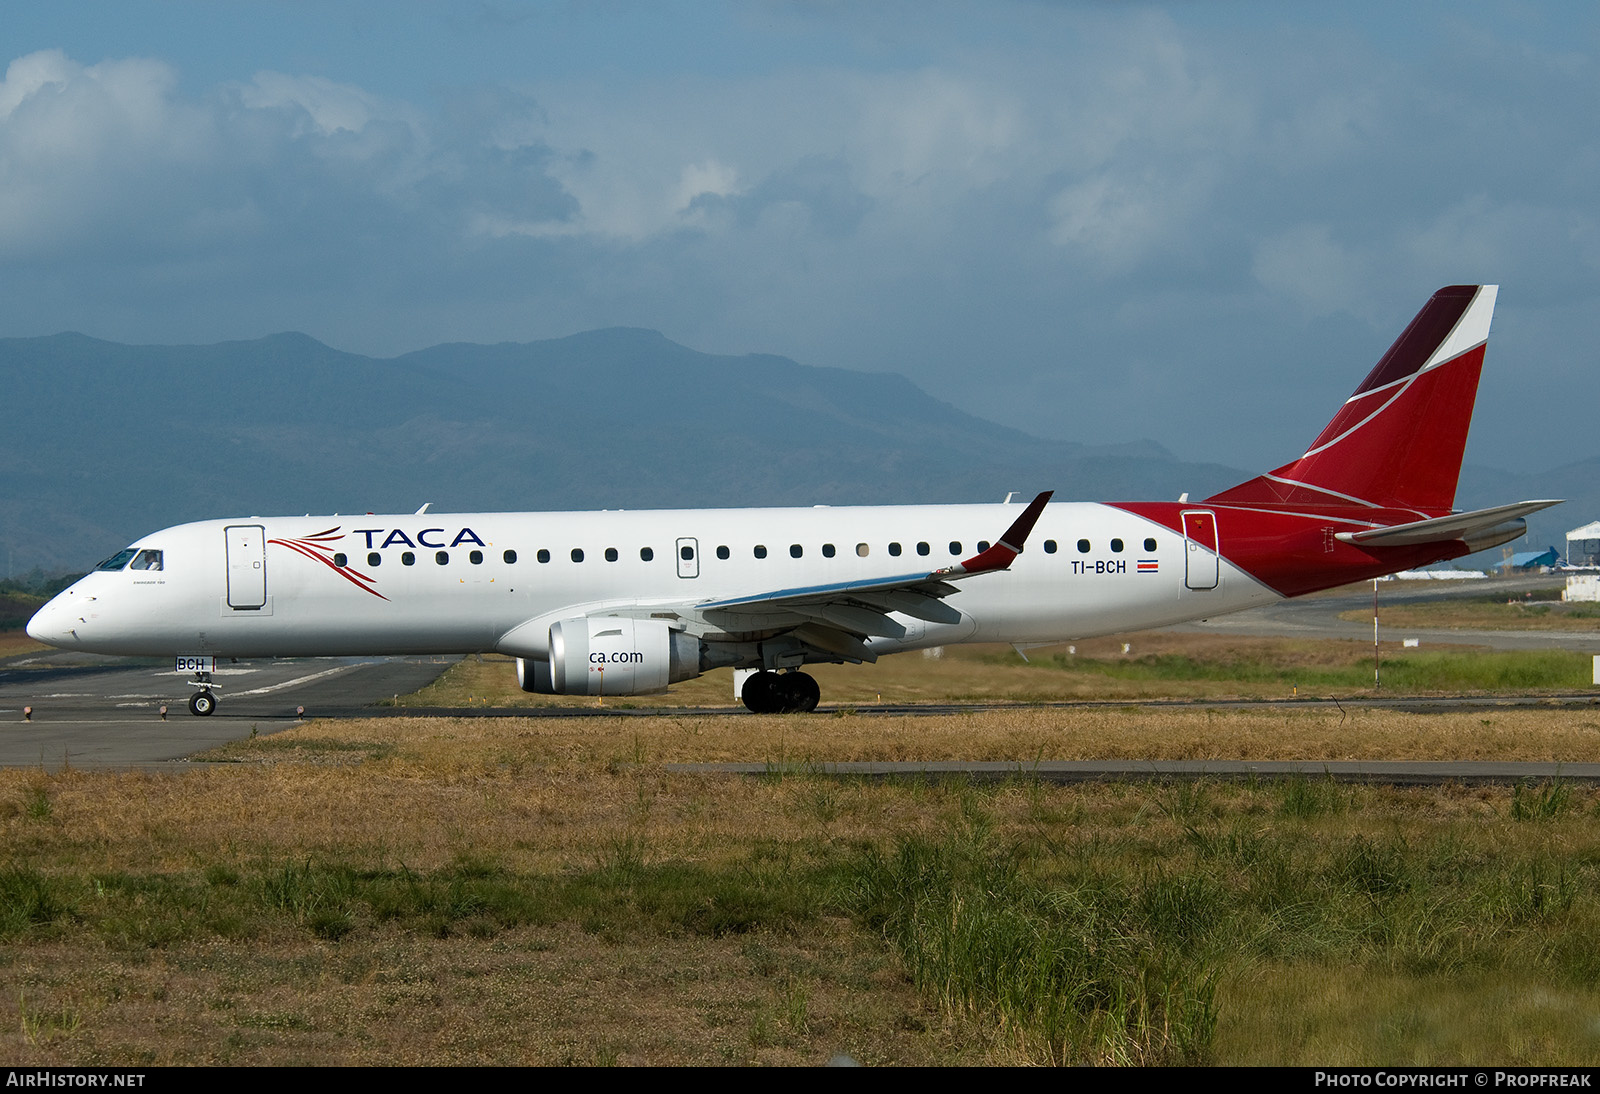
(146, 560)
(118, 560)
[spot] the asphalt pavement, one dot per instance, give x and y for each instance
(93, 711)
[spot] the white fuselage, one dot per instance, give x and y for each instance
(463, 583)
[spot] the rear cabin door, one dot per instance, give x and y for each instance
(1200, 549)
(247, 566)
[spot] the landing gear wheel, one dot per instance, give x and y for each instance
(770, 693)
(760, 693)
(202, 703)
(800, 692)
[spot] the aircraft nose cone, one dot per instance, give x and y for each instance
(51, 626)
(39, 626)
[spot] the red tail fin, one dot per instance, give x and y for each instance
(1397, 442)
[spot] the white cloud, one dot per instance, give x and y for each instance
(1307, 265)
(326, 105)
(1115, 221)
(919, 141)
(54, 110)
(1476, 239)
(705, 179)
(930, 131)
(84, 145)
(29, 75)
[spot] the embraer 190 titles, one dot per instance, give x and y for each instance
(627, 603)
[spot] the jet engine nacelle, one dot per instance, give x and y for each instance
(603, 655)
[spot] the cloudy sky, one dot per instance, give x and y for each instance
(1195, 222)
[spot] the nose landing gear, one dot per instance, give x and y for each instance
(202, 702)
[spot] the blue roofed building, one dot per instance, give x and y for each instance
(1531, 560)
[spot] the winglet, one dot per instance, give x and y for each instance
(1001, 555)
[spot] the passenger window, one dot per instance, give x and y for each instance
(407, 558)
(761, 552)
(722, 553)
(647, 554)
(795, 550)
(686, 553)
(1116, 546)
(827, 550)
(983, 545)
(374, 559)
(1049, 546)
(894, 550)
(577, 554)
(146, 560)
(1083, 546)
(1149, 545)
(442, 558)
(955, 546)
(543, 555)
(923, 548)
(341, 559)
(476, 558)
(863, 550)
(611, 554)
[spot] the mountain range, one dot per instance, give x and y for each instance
(104, 442)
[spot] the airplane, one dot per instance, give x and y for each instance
(623, 603)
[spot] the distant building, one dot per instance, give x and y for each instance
(1583, 545)
(1582, 587)
(1583, 549)
(1531, 560)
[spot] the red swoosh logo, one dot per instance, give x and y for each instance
(315, 547)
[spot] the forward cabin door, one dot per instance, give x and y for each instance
(1200, 549)
(247, 566)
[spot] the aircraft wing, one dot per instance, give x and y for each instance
(839, 616)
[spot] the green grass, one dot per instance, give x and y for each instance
(1104, 970)
(1404, 670)
(1115, 924)
(331, 900)
(1128, 953)
(30, 901)
(1542, 801)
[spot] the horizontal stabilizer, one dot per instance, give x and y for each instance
(1467, 527)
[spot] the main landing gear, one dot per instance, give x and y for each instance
(202, 702)
(774, 693)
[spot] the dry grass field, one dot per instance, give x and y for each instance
(15, 610)
(1150, 665)
(13, 643)
(540, 891)
(509, 890)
